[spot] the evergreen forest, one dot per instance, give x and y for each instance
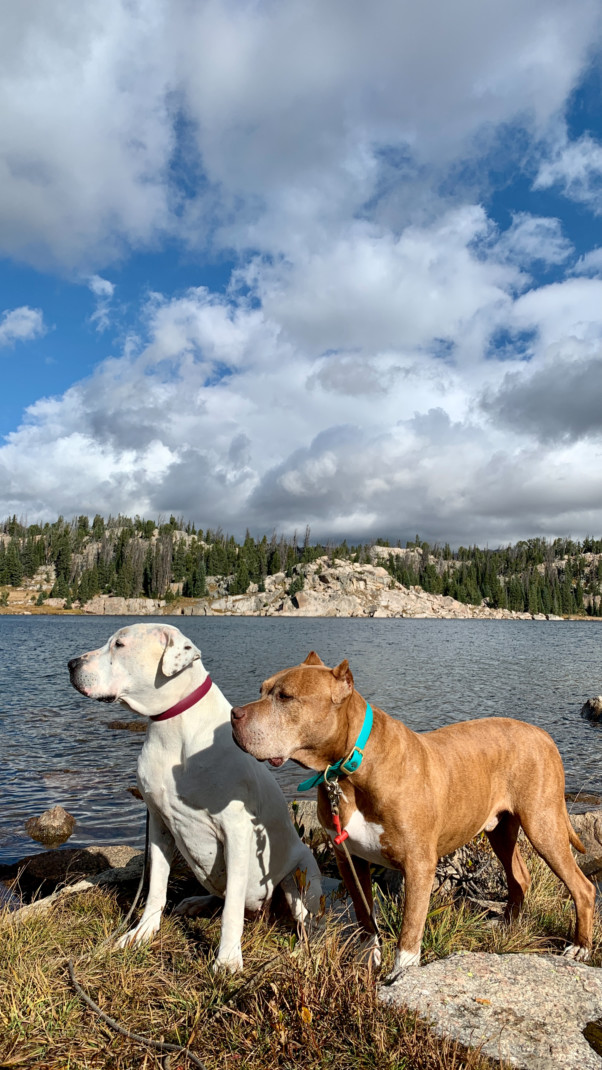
(145, 558)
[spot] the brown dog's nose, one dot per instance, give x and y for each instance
(238, 713)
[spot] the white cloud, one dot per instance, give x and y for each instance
(590, 263)
(226, 415)
(372, 290)
(86, 130)
(575, 166)
(561, 312)
(294, 114)
(103, 290)
(101, 287)
(21, 325)
(531, 238)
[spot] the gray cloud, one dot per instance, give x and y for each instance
(560, 401)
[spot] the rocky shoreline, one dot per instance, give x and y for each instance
(471, 870)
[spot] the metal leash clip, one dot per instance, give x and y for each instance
(334, 794)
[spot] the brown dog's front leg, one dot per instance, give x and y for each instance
(419, 877)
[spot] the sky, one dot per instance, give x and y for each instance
(266, 265)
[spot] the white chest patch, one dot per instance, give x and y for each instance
(364, 839)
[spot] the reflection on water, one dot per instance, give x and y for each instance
(56, 747)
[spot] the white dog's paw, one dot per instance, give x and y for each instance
(195, 904)
(142, 934)
(228, 960)
(369, 952)
(577, 953)
(403, 960)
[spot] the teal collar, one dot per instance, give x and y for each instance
(345, 766)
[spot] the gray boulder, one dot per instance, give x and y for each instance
(52, 827)
(529, 1010)
(592, 709)
(304, 813)
(69, 864)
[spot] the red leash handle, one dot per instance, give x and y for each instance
(342, 834)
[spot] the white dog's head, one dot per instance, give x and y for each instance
(142, 666)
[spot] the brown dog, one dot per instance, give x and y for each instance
(417, 797)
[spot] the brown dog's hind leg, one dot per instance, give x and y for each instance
(549, 835)
(503, 842)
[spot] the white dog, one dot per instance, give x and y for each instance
(220, 807)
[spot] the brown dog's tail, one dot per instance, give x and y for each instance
(573, 837)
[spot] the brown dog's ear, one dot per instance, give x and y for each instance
(179, 652)
(313, 659)
(343, 682)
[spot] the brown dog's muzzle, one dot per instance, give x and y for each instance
(249, 732)
(238, 720)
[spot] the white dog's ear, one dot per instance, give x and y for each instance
(179, 652)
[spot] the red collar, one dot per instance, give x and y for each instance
(185, 703)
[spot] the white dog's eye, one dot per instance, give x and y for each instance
(119, 643)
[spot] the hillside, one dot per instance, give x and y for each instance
(137, 566)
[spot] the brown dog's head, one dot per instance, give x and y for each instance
(296, 714)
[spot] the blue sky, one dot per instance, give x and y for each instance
(267, 266)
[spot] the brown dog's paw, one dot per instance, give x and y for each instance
(403, 961)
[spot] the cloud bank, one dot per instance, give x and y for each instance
(386, 359)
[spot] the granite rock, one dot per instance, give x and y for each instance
(530, 1010)
(52, 827)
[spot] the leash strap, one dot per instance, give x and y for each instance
(334, 792)
(185, 703)
(345, 766)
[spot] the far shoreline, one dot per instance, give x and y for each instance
(42, 611)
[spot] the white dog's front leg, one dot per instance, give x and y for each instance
(161, 852)
(237, 849)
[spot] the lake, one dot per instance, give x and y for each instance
(56, 747)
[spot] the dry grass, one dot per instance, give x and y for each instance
(313, 1009)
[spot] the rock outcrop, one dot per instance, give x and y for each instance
(341, 589)
(322, 588)
(529, 1010)
(113, 606)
